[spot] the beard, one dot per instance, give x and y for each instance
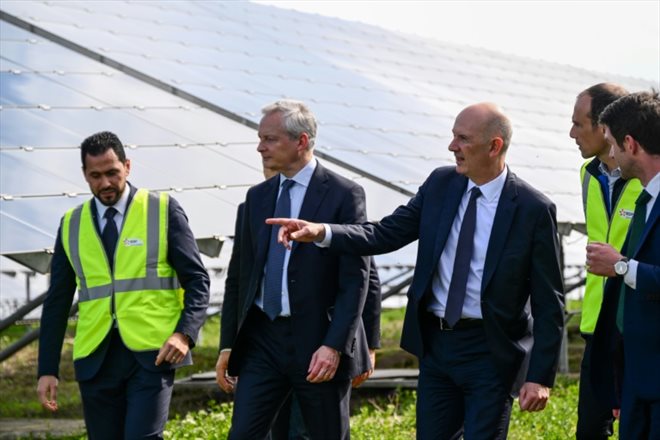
(109, 196)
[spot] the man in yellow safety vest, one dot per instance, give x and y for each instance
(142, 295)
(609, 202)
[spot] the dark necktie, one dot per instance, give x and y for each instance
(275, 258)
(605, 187)
(110, 234)
(464, 247)
(636, 229)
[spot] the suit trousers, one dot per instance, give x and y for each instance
(460, 387)
(124, 400)
(289, 424)
(640, 416)
(269, 372)
(595, 420)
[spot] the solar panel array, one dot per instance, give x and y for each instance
(182, 84)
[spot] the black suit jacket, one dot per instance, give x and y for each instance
(182, 254)
(521, 277)
(326, 292)
(640, 353)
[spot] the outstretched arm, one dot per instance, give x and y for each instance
(292, 229)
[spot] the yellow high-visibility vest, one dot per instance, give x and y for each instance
(144, 287)
(601, 228)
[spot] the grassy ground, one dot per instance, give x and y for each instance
(383, 418)
(18, 380)
(394, 419)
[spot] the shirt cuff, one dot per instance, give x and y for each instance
(225, 349)
(631, 276)
(325, 243)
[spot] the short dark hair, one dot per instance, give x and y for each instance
(636, 115)
(602, 95)
(101, 142)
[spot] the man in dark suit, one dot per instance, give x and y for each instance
(143, 293)
(293, 323)
(289, 422)
(487, 254)
(627, 336)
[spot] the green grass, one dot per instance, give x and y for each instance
(18, 380)
(390, 355)
(394, 419)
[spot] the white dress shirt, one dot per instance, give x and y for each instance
(612, 177)
(297, 193)
(486, 207)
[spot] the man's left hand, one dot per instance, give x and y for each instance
(173, 350)
(601, 258)
(533, 396)
(323, 365)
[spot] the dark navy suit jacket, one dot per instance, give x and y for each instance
(521, 270)
(182, 254)
(640, 357)
(370, 314)
(326, 292)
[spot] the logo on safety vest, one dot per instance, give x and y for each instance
(625, 213)
(133, 242)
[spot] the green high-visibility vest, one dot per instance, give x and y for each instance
(603, 229)
(144, 288)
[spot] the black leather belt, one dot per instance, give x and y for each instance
(461, 324)
(258, 311)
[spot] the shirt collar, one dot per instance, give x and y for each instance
(615, 173)
(491, 191)
(304, 176)
(653, 187)
(120, 206)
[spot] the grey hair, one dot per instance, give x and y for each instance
(499, 125)
(297, 118)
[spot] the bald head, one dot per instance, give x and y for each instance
(490, 121)
(481, 136)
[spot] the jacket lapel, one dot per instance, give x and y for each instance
(267, 208)
(653, 219)
(445, 216)
(504, 214)
(314, 196)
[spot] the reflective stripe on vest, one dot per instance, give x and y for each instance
(148, 298)
(601, 228)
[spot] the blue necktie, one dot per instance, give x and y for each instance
(605, 188)
(464, 247)
(110, 235)
(275, 258)
(636, 229)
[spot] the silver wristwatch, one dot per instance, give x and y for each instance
(621, 267)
